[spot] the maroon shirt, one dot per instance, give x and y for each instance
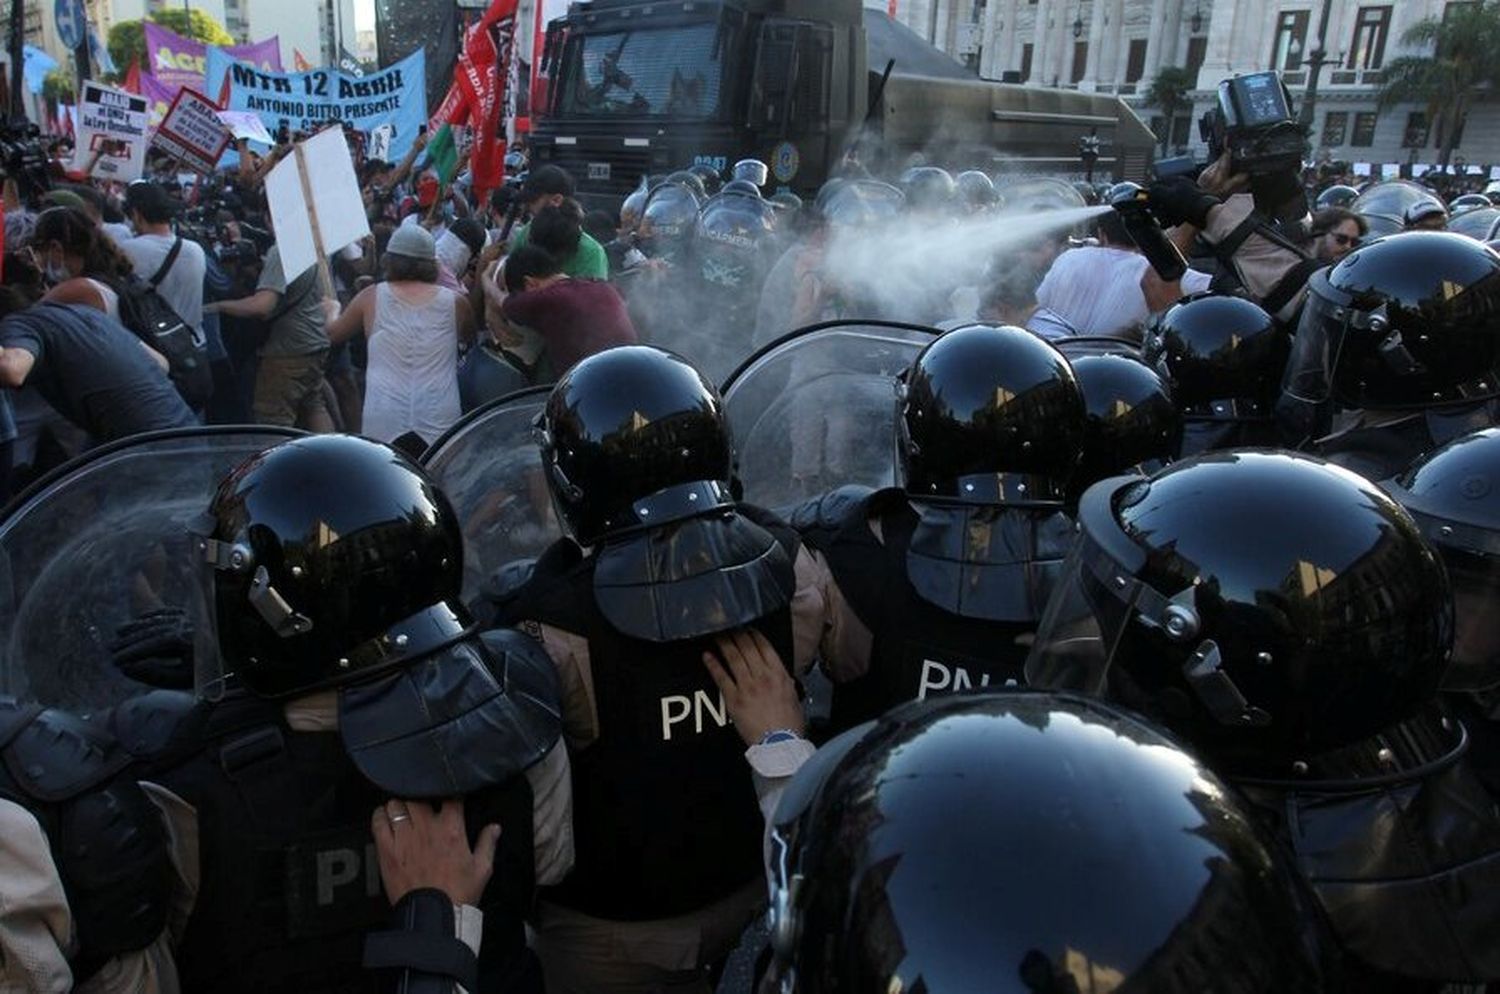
(575, 317)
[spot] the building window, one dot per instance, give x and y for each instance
(1026, 50)
(1364, 130)
(1197, 51)
(1370, 30)
(1291, 38)
(1417, 130)
(1135, 63)
(1080, 59)
(1335, 128)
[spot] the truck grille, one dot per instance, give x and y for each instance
(626, 165)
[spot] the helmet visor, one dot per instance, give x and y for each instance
(1472, 555)
(1309, 371)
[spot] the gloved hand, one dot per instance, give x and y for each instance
(156, 649)
(1180, 201)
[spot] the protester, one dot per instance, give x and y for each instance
(82, 264)
(173, 265)
(89, 368)
(1337, 230)
(575, 318)
(551, 186)
(414, 329)
(289, 383)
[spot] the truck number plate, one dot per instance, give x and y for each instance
(598, 170)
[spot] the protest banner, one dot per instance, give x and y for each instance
(112, 123)
(159, 97)
(315, 204)
(246, 124)
(178, 61)
(395, 95)
(192, 132)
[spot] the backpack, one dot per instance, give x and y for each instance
(147, 313)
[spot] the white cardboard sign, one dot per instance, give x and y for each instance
(315, 202)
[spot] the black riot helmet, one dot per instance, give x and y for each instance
(667, 220)
(1019, 843)
(1132, 425)
(990, 415)
(1405, 322)
(1384, 205)
(330, 558)
(690, 182)
(1453, 494)
(1223, 356)
(1468, 202)
(1265, 606)
(858, 203)
(929, 189)
(752, 171)
(708, 177)
(976, 191)
(1337, 195)
(634, 437)
(741, 188)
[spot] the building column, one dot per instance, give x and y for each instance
(1155, 38)
(1097, 45)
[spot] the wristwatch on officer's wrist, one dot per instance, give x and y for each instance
(779, 735)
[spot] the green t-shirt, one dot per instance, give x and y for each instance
(589, 262)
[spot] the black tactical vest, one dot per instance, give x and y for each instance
(665, 815)
(106, 837)
(918, 649)
(289, 882)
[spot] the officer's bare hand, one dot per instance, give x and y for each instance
(1219, 178)
(758, 692)
(421, 848)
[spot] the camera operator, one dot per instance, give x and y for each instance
(1248, 205)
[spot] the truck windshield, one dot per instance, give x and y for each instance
(657, 72)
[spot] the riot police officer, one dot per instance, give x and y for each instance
(662, 561)
(88, 885)
(1224, 357)
(1398, 351)
(1286, 620)
(1022, 843)
(1131, 423)
(936, 585)
(343, 671)
(1450, 493)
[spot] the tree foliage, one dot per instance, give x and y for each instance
(127, 40)
(1464, 59)
(57, 87)
(1168, 92)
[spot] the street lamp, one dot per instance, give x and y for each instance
(1196, 21)
(1078, 23)
(1316, 60)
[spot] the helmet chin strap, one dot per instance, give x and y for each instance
(1216, 690)
(274, 609)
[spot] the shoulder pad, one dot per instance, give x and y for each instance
(525, 665)
(57, 756)
(148, 726)
(501, 589)
(833, 509)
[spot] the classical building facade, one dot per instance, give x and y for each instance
(1118, 46)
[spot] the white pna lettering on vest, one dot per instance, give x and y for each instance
(678, 708)
(340, 867)
(936, 676)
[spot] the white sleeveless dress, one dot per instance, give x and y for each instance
(411, 380)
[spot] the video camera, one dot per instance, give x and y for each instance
(23, 157)
(1253, 121)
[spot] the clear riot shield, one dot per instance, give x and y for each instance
(816, 409)
(100, 542)
(490, 467)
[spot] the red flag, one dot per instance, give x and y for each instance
(132, 82)
(299, 62)
(497, 35)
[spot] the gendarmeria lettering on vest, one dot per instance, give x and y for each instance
(677, 708)
(340, 867)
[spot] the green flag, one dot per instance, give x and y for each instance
(442, 154)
